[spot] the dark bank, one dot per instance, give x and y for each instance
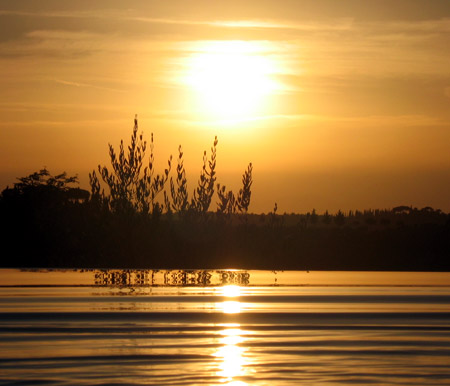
(134, 217)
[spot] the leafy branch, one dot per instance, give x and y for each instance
(129, 190)
(205, 188)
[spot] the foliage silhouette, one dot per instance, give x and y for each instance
(326, 219)
(129, 190)
(339, 218)
(43, 186)
(205, 187)
(134, 188)
(227, 201)
(314, 217)
(49, 222)
(244, 196)
(180, 196)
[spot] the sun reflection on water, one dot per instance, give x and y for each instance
(230, 307)
(232, 358)
(230, 352)
(231, 291)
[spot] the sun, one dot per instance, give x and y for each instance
(231, 79)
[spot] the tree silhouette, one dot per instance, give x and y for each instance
(42, 186)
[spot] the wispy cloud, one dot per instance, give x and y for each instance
(344, 24)
(77, 84)
(330, 24)
(363, 122)
(49, 107)
(63, 123)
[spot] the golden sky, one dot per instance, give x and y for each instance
(338, 104)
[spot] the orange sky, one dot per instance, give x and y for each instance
(338, 104)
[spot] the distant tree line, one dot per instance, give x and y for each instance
(134, 217)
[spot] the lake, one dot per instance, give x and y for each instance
(224, 327)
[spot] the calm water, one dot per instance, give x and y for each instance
(224, 327)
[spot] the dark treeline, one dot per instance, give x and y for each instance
(134, 217)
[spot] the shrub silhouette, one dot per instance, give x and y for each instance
(205, 187)
(245, 194)
(129, 190)
(180, 196)
(134, 188)
(49, 222)
(227, 201)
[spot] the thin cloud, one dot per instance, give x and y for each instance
(341, 24)
(370, 121)
(49, 107)
(332, 24)
(77, 84)
(337, 24)
(63, 123)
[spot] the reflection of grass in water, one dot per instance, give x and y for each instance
(177, 278)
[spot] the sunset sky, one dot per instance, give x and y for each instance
(338, 104)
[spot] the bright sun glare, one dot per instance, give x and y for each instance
(231, 291)
(232, 79)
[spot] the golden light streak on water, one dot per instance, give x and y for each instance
(222, 327)
(230, 307)
(230, 353)
(231, 291)
(232, 357)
